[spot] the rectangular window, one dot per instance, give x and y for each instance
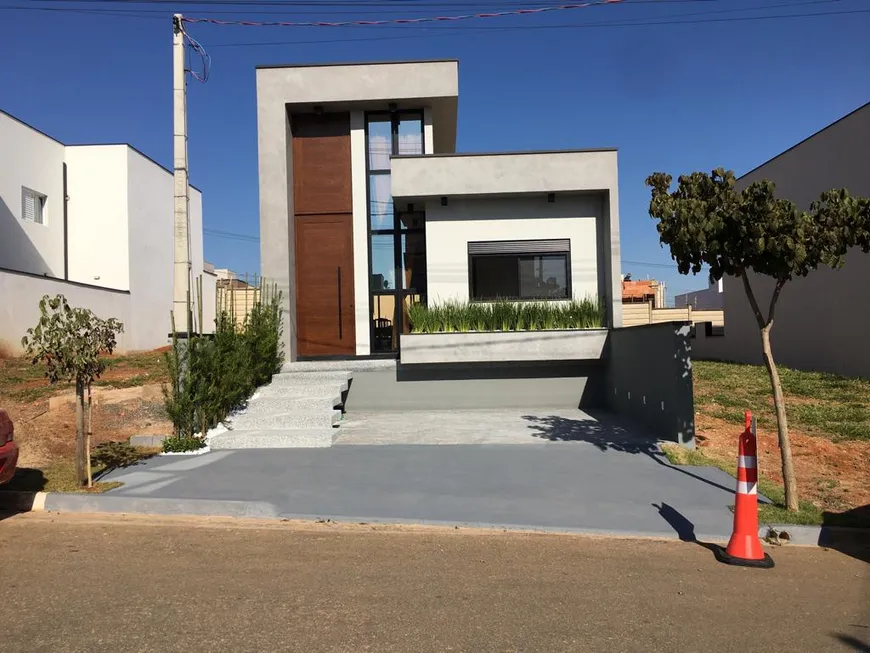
(32, 206)
(520, 270)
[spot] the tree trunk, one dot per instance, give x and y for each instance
(81, 473)
(788, 476)
(88, 438)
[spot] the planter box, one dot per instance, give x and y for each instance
(503, 346)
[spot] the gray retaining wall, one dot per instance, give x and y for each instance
(649, 379)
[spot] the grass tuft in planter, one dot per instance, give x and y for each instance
(450, 317)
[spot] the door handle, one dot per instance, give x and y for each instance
(340, 335)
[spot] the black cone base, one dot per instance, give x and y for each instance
(722, 556)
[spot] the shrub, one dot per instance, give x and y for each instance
(213, 375)
(447, 317)
(179, 443)
(113, 455)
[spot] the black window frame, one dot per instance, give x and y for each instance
(399, 292)
(566, 252)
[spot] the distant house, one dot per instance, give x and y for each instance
(711, 298)
(643, 292)
(821, 319)
(94, 223)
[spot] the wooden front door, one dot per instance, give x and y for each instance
(324, 285)
(324, 235)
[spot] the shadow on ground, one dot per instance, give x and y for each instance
(604, 432)
(684, 528)
(18, 494)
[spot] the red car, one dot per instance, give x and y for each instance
(8, 448)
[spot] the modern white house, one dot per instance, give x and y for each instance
(94, 223)
(821, 319)
(367, 210)
(365, 207)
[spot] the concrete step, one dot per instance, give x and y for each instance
(352, 365)
(295, 390)
(274, 439)
(256, 420)
(314, 376)
(277, 404)
(302, 381)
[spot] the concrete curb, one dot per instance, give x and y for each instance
(824, 536)
(18, 501)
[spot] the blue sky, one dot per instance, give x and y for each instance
(717, 90)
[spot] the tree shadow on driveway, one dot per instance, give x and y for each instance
(607, 433)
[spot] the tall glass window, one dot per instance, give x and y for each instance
(397, 245)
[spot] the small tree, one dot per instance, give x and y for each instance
(707, 222)
(69, 341)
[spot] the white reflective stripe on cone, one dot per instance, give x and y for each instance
(747, 487)
(747, 462)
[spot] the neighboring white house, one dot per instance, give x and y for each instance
(821, 319)
(94, 223)
(710, 299)
(365, 207)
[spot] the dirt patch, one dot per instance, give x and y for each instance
(44, 415)
(834, 476)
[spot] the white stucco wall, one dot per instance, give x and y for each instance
(98, 246)
(31, 159)
(449, 230)
(151, 250)
(19, 309)
(360, 232)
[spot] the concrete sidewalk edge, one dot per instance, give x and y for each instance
(824, 536)
(21, 501)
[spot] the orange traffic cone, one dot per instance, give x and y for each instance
(745, 547)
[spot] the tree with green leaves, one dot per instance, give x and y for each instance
(70, 342)
(706, 221)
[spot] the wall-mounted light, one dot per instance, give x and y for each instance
(393, 107)
(443, 201)
(551, 197)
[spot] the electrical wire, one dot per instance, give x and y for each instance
(404, 21)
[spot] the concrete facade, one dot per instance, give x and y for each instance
(821, 320)
(492, 196)
(107, 243)
(505, 346)
(430, 86)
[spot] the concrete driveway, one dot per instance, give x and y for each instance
(575, 474)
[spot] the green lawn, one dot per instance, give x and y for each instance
(816, 403)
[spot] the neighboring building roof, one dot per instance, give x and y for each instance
(811, 136)
(132, 147)
(352, 63)
(639, 289)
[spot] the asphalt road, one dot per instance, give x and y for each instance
(85, 583)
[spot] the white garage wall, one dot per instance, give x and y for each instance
(449, 230)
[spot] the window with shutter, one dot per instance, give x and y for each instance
(32, 206)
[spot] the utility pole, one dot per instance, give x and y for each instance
(182, 270)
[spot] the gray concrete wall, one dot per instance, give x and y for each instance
(649, 379)
(492, 386)
(821, 320)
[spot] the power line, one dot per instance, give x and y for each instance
(217, 233)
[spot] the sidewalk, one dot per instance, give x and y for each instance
(609, 486)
